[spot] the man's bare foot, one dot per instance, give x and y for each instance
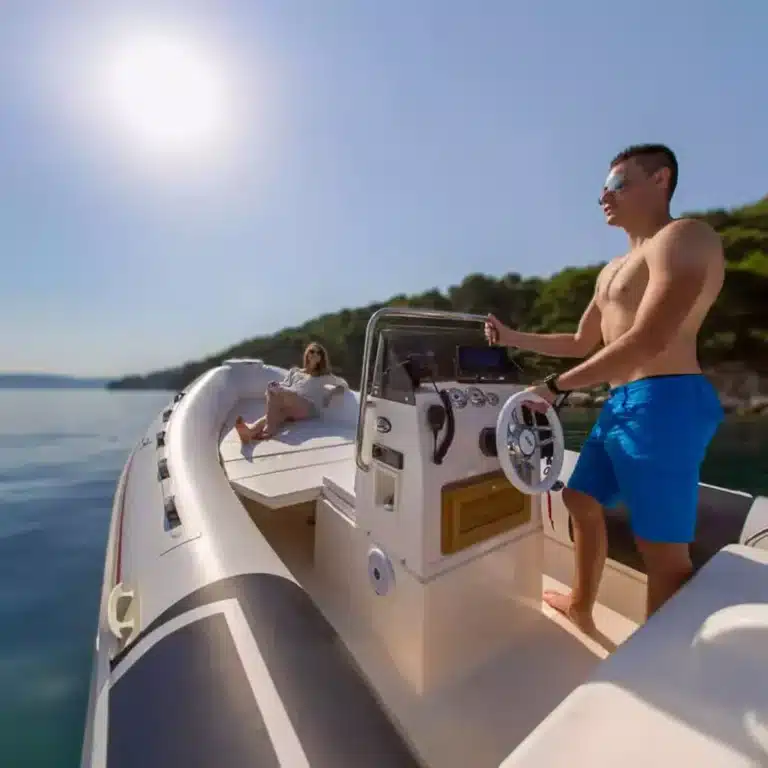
(563, 604)
(584, 621)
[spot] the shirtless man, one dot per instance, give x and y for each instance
(651, 435)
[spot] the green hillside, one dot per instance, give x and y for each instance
(734, 344)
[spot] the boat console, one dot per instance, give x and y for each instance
(450, 465)
(430, 443)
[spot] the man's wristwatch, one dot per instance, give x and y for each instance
(551, 384)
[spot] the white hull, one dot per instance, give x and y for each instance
(250, 632)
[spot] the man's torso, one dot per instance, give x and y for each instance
(620, 289)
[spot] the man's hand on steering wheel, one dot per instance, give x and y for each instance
(542, 391)
(548, 391)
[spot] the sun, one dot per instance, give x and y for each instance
(166, 94)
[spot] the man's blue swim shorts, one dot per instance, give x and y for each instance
(646, 449)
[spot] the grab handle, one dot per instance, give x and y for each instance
(117, 627)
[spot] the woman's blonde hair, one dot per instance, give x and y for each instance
(325, 362)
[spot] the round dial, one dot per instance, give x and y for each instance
(458, 397)
(492, 398)
(476, 396)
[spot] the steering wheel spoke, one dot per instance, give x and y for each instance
(526, 471)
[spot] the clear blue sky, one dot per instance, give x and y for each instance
(368, 148)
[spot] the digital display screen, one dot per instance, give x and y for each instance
(479, 362)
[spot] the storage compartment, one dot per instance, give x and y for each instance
(478, 508)
(385, 489)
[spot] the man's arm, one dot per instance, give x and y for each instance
(677, 272)
(588, 335)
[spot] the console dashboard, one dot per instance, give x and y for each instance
(410, 358)
(456, 364)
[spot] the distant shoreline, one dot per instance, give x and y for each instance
(53, 388)
(19, 381)
(744, 405)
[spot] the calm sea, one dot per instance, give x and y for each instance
(60, 456)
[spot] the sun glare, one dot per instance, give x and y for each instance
(167, 94)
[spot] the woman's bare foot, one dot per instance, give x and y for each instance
(243, 430)
(564, 604)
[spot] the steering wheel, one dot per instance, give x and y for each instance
(520, 440)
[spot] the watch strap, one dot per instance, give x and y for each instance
(551, 384)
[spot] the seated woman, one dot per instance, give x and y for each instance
(302, 394)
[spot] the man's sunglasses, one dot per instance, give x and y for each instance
(616, 182)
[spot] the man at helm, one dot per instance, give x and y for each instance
(650, 438)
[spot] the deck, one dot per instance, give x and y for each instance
(293, 466)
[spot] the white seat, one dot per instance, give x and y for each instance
(283, 489)
(690, 687)
(288, 468)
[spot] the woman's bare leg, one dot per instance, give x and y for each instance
(272, 417)
(292, 407)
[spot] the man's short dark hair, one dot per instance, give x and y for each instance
(652, 157)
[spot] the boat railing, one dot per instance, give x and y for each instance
(386, 313)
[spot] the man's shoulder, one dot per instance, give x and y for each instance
(686, 242)
(689, 230)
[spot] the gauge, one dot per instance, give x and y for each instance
(458, 397)
(492, 398)
(476, 396)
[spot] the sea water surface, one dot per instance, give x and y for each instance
(61, 453)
